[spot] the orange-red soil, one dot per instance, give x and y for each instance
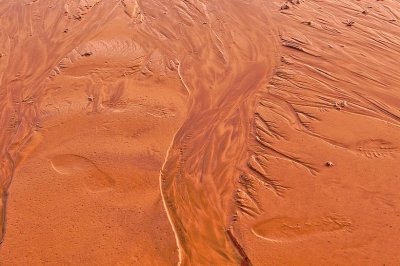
(194, 132)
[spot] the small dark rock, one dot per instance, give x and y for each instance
(329, 164)
(285, 6)
(87, 54)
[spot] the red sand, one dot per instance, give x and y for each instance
(194, 132)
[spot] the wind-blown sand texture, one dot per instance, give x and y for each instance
(199, 132)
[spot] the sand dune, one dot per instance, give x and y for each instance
(195, 132)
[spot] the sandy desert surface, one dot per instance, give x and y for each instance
(199, 132)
